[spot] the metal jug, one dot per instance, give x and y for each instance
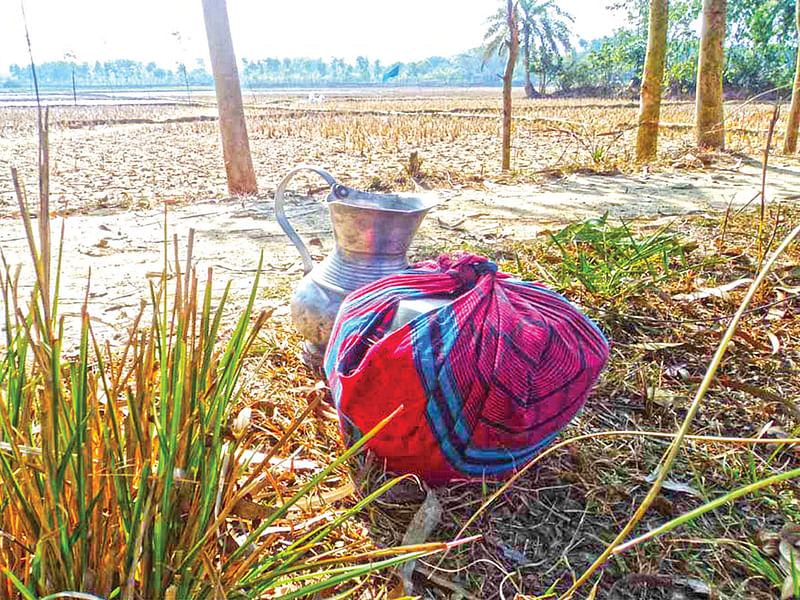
(372, 234)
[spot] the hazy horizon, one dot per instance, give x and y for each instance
(93, 30)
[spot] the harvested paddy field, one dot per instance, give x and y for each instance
(662, 274)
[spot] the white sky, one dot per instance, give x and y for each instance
(401, 30)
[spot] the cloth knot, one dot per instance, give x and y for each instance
(466, 268)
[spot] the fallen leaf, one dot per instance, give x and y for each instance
(768, 542)
(776, 313)
(253, 457)
(678, 370)
(242, 421)
(787, 589)
(422, 525)
(789, 554)
(655, 345)
(593, 593)
(674, 486)
(512, 554)
(665, 398)
(774, 341)
(698, 586)
(719, 291)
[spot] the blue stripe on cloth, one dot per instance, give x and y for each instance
(448, 324)
(507, 454)
(447, 418)
(346, 329)
(422, 350)
(513, 460)
(441, 412)
(504, 461)
(360, 325)
(386, 294)
(445, 408)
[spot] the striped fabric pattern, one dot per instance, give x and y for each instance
(485, 381)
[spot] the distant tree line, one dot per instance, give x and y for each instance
(120, 72)
(466, 68)
(760, 49)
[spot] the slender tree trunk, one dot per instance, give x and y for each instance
(790, 143)
(543, 78)
(530, 91)
(650, 96)
(508, 76)
(235, 145)
(710, 120)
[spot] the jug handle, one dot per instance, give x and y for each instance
(308, 262)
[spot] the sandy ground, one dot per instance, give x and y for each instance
(125, 250)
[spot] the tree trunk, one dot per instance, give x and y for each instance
(508, 76)
(790, 143)
(543, 79)
(709, 115)
(235, 145)
(530, 91)
(650, 96)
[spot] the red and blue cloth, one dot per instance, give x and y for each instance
(486, 381)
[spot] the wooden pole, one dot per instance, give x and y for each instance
(235, 145)
(508, 76)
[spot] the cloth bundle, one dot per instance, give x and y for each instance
(486, 381)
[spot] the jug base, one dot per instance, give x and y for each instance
(312, 356)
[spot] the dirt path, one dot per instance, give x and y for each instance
(124, 250)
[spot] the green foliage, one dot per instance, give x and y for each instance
(617, 59)
(620, 57)
(760, 45)
(465, 68)
(544, 37)
(121, 472)
(118, 474)
(760, 54)
(574, 73)
(758, 563)
(120, 72)
(611, 262)
(683, 46)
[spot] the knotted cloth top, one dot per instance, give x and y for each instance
(486, 380)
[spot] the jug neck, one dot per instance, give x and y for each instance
(344, 271)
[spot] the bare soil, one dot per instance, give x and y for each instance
(117, 181)
(124, 247)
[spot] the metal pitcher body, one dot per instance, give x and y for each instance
(372, 235)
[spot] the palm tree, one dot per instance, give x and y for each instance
(503, 36)
(544, 33)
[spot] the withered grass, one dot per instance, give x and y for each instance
(114, 156)
(548, 527)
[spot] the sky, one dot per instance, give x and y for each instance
(172, 31)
